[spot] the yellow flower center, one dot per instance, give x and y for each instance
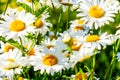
(28, 0)
(67, 55)
(8, 47)
(92, 38)
(79, 76)
(38, 23)
(50, 46)
(60, 0)
(74, 44)
(17, 26)
(77, 28)
(49, 60)
(80, 21)
(96, 12)
(20, 78)
(31, 52)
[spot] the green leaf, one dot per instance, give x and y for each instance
(41, 11)
(2, 39)
(26, 7)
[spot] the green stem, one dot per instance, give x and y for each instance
(58, 23)
(93, 66)
(6, 6)
(67, 26)
(110, 68)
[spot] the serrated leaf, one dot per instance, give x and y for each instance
(26, 7)
(41, 10)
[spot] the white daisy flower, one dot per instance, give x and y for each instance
(98, 12)
(11, 63)
(42, 25)
(78, 25)
(97, 41)
(72, 39)
(16, 24)
(81, 55)
(80, 76)
(48, 43)
(85, 76)
(58, 3)
(72, 3)
(5, 47)
(50, 61)
(30, 45)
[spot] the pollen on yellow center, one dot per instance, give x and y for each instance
(79, 76)
(8, 47)
(38, 23)
(49, 46)
(49, 60)
(96, 12)
(17, 26)
(74, 44)
(20, 78)
(80, 21)
(77, 28)
(31, 52)
(92, 38)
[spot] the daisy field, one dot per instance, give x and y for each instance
(59, 39)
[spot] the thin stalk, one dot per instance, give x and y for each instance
(6, 6)
(33, 7)
(109, 70)
(58, 23)
(67, 26)
(93, 66)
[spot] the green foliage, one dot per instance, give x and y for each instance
(26, 7)
(41, 11)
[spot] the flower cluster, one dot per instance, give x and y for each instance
(42, 38)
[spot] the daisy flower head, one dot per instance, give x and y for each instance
(5, 47)
(97, 41)
(47, 43)
(30, 46)
(72, 3)
(11, 63)
(97, 12)
(81, 55)
(80, 76)
(42, 24)
(78, 25)
(17, 24)
(83, 75)
(72, 39)
(50, 61)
